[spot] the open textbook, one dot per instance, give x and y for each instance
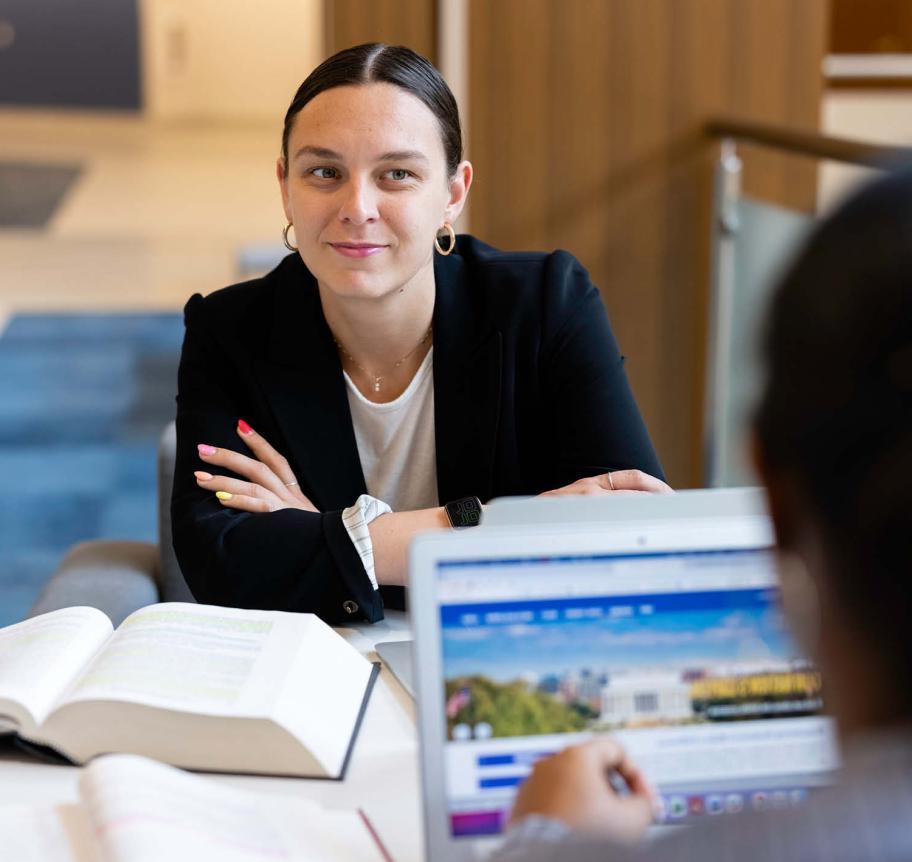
(196, 686)
(134, 810)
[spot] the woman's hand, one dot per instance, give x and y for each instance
(574, 787)
(618, 482)
(272, 485)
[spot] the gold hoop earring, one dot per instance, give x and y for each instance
(452, 234)
(288, 245)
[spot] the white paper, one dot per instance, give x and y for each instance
(324, 666)
(217, 661)
(142, 811)
(57, 833)
(40, 657)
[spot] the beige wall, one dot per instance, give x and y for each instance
(875, 117)
(227, 60)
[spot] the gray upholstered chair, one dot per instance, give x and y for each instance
(118, 577)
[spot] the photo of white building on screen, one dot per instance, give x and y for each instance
(645, 699)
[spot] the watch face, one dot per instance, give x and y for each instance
(465, 512)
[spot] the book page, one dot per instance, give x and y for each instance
(196, 658)
(323, 694)
(143, 811)
(40, 657)
(58, 833)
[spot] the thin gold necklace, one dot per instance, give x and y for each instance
(378, 379)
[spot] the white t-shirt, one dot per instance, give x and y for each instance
(398, 456)
(396, 442)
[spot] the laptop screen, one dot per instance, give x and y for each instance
(684, 656)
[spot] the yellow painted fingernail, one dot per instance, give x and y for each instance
(223, 495)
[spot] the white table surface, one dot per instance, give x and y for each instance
(382, 777)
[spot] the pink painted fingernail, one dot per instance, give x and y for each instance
(244, 428)
(206, 449)
(202, 475)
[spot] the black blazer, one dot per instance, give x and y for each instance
(529, 394)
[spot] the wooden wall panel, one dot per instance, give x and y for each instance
(775, 50)
(587, 119)
(398, 22)
(871, 27)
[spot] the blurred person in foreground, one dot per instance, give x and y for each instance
(833, 446)
(387, 377)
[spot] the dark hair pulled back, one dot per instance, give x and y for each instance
(387, 64)
(836, 412)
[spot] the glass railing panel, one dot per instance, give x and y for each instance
(764, 237)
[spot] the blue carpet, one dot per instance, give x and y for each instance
(83, 400)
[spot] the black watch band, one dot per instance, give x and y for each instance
(464, 512)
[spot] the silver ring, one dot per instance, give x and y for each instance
(610, 483)
(289, 484)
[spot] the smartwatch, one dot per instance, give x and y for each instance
(464, 512)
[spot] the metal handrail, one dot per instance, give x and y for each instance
(725, 228)
(809, 143)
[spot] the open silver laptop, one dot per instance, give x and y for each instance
(717, 504)
(665, 632)
(691, 504)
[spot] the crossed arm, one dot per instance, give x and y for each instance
(269, 485)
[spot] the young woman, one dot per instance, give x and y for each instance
(327, 410)
(834, 448)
